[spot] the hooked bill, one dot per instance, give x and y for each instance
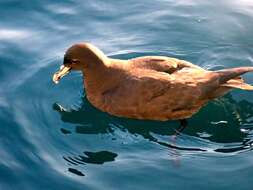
(64, 70)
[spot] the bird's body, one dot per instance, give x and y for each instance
(151, 87)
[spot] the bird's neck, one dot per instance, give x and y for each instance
(96, 57)
(103, 78)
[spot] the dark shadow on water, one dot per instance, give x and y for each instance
(65, 131)
(220, 121)
(89, 120)
(75, 171)
(100, 158)
(91, 158)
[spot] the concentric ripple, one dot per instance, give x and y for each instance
(52, 138)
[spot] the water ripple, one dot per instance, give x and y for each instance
(56, 139)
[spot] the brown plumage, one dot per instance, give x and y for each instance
(151, 87)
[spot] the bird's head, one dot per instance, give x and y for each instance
(81, 56)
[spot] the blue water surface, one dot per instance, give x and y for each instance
(52, 138)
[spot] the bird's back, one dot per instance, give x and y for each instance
(157, 88)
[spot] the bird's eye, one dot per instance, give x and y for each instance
(75, 61)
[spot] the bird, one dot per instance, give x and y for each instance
(157, 88)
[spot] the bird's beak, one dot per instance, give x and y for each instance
(64, 70)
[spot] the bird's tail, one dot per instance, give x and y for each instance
(231, 78)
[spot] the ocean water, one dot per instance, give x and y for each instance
(52, 138)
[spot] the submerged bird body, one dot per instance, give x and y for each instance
(151, 87)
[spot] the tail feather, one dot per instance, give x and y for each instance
(231, 78)
(228, 74)
(237, 84)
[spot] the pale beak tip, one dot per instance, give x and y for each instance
(55, 79)
(64, 70)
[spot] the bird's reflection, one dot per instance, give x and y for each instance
(221, 121)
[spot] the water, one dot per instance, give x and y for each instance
(52, 138)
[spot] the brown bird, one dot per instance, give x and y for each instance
(150, 87)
